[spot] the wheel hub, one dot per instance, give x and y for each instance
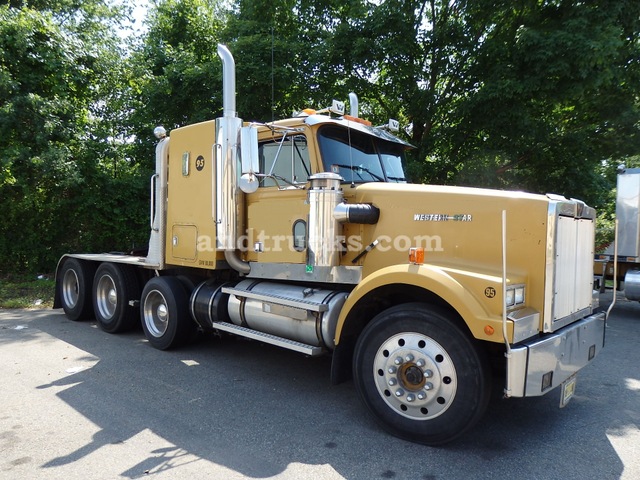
(106, 297)
(162, 312)
(415, 376)
(412, 377)
(70, 288)
(155, 313)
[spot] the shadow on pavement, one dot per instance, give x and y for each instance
(256, 409)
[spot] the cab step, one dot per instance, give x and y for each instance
(310, 350)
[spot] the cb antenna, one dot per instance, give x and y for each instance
(272, 80)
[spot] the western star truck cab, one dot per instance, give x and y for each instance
(304, 233)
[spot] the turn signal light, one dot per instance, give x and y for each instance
(416, 255)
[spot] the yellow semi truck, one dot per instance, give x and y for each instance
(304, 233)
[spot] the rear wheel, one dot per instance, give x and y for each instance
(115, 286)
(75, 284)
(165, 313)
(420, 375)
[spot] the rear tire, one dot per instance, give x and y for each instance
(115, 286)
(420, 375)
(164, 309)
(75, 285)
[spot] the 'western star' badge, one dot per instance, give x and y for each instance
(442, 217)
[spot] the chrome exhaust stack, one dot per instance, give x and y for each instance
(353, 105)
(228, 82)
(226, 155)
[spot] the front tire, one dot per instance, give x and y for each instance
(165, 313)
(75, 284)
(115, 286)
(420, 375)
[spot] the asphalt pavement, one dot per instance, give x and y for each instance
(78, 403)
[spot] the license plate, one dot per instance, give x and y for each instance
(567, 390)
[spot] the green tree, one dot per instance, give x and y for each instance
(540, 95)
(558, 96)
(263, 37)
(54, 62)
(175, 74)
(531, 95)
(289, 54)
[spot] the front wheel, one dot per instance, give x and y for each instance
(420, 375)
(165, 313)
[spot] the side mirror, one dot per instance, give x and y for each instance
(249, 150)
(250, 164)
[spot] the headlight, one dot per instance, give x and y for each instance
(515, 296)
(519, 295)
(510, 300)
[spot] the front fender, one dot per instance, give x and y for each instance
(445, 283)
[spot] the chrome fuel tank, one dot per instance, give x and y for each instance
(300, 313)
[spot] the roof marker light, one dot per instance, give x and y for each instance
(357, 120)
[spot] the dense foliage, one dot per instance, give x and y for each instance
(65, 184)
(539, 95)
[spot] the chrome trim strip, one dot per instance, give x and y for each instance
(113, 258)
(549, 276)
(227, 129)
(348, 275)
(157, 237)
(563, 322)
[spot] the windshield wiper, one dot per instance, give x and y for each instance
(358, 169)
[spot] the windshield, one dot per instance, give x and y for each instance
(358, 157)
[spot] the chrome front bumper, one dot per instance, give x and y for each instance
(538, 366)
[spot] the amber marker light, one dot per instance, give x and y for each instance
(357, 120)
(416, 255)
(488, 330)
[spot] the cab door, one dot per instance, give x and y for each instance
(277, 212)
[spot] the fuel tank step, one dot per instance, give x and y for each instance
(268, 338)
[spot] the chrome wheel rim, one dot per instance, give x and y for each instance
(415, 376)
(106, 297)
(70, 288)
(156, 313)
